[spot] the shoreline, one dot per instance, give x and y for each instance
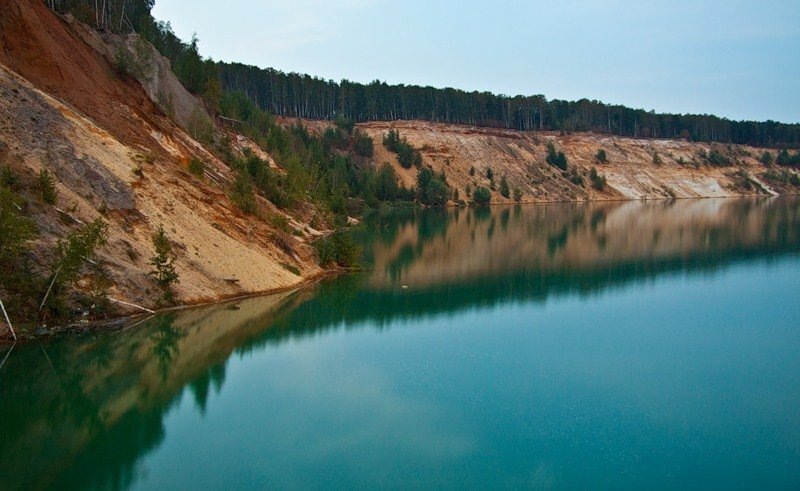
(119, 322)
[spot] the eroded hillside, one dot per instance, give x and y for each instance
(632, 170)
(116, 154)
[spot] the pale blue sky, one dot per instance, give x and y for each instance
(734, 58)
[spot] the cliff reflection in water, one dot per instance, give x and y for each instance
(81, 410)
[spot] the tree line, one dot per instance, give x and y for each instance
(306, 96)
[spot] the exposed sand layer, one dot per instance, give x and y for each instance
(630, 169)
(63, 107)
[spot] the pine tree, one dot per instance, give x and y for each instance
(163, 263)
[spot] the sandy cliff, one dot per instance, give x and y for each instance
(64, 107)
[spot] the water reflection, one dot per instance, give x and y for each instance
(82, 410)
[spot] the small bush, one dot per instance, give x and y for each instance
(47, 187)
(481, 196)
(163, 262)
(574, 176)
(407, 155)
(8, 179)
(339, 248)
(137, 171)
(657, 159)
(242, 193)
(766, 158)
(717, 159)
(517, 195)
(362, 144)
(196, 167)
(554, 158)
(123, 61)
(598, 181)
(505, 191)
(601, 156)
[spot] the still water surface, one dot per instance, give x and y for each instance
(623, 345)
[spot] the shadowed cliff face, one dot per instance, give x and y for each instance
(82, 410)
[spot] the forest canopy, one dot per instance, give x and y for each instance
(306, 96)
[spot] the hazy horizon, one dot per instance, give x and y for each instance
(730, 59)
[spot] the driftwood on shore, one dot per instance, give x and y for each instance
(8, 321)
(132, 305)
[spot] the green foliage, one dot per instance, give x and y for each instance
(345, 124)
(8, 179)
(574, 176)
(339, 248)
(601, 156)
(137, 171)
(196, 166)
(598, 181)
(15, 230)
(481, 196)
(766, 158)
(717, 159)
(489, 174)
(407, 155)
(47, 187)
(122, 60)
(163, 263)
(517, 195)
(301, 95)
(472, 171)
(431, 189)
(362, 144)
(318, 169)
(77, 249)
(241, 193)
(505, 191)
(70, 257)
(200, 127)
(787, 159)
(782, 176)
(554, 158)
(657, 159)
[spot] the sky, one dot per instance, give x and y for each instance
(737, 59)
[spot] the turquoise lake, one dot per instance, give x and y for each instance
(635, 345)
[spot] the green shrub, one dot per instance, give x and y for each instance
(163, 262)
(15, 230)
(407, 155)
(339, 248)
(47, 187)
(481, 196)
(517, 195)
(505, 191)
(766, 158)
(431, 189)
(241, 193)
(8, 179)
(717, 159)
(362, 144)
(197, 167)
(598, 181)
(601, 156)
(554, 158)
(785, 158)
(657, 159)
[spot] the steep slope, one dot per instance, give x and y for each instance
(63, 107)
(630, 169)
